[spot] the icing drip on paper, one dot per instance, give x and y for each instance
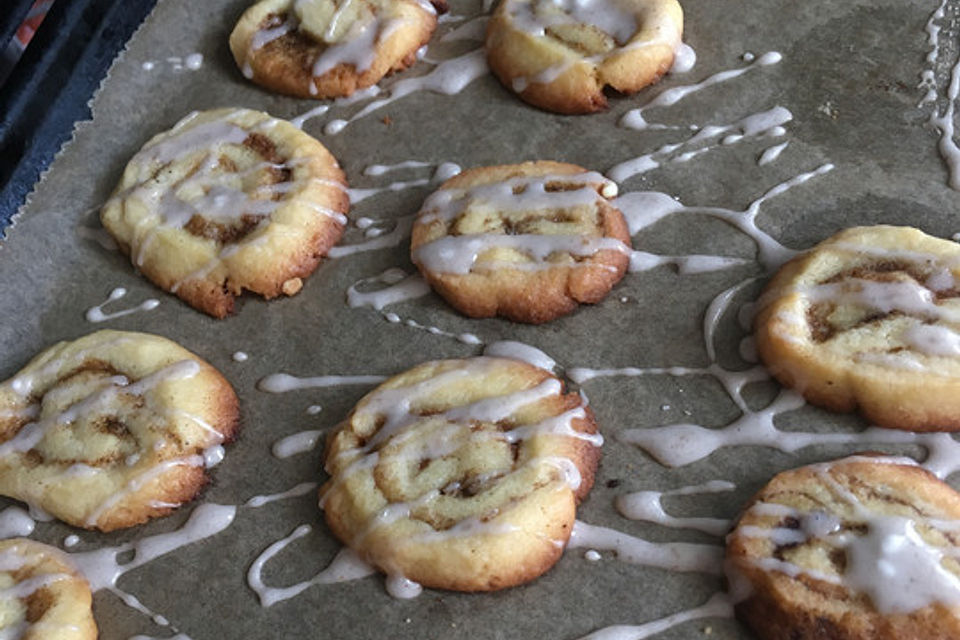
(718, 606)
(448, 77)
(283, 382)
(674, 556)
(764, 124)
(942, 118)
(15, 523)
(297, 443)
(96, 314)
(648, 506)
(346, 566)
(103, 568)
(301, 489)
(634, 119)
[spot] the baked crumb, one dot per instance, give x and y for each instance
(291, 286)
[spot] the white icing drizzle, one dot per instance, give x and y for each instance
(465, 338)
(380, 169)
(634, 119)
(757, 125)
(191, 62)
(400, 232)
(648, 506)
(345, 566)
(674, 556)
(520, 351)
(401, 287)
(643, 261)
(15, 523)
(684, 59)
(301, 489)
(102, 568)
(71, 540)
(297, 443)
(718, 606)
(448, 77)
(356, 96)
(283, 382)
(944, 122)
(644, 208)
(932, 340)
(402, 588)
(770, 154)
(96, 314)
(443, 171)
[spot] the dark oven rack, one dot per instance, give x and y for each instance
(51, 85)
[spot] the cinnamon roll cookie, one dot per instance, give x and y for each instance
(42, 595)
(226, 201)
(461, 474)
(112, 429)
(528, 242)
(870, 319)
(330, 48)
(560, 56)
(864, 548)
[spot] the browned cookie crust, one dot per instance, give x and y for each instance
(461, 474)
(864, 548)
(112, 429)
(529, 242)
(560, 59)
(44, 596)
(330, 48)
(870, 319)
(226, 201)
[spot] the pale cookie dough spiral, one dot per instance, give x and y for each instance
(111, 429)
(870, 319)
(529, 242)
(228, 200)
(863, 548)
(461, 474)
(330, 48)
(42, 595)
(560, 56)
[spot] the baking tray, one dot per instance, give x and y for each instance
(860, 150)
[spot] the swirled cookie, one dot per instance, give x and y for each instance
(560, 56)
(42, 595)
(330, 48)
(112, 429)
(528, 242)
(870, 318)
(461, 474)
(864, 548)
(228, 200)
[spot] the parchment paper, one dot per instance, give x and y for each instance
(849, 75)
